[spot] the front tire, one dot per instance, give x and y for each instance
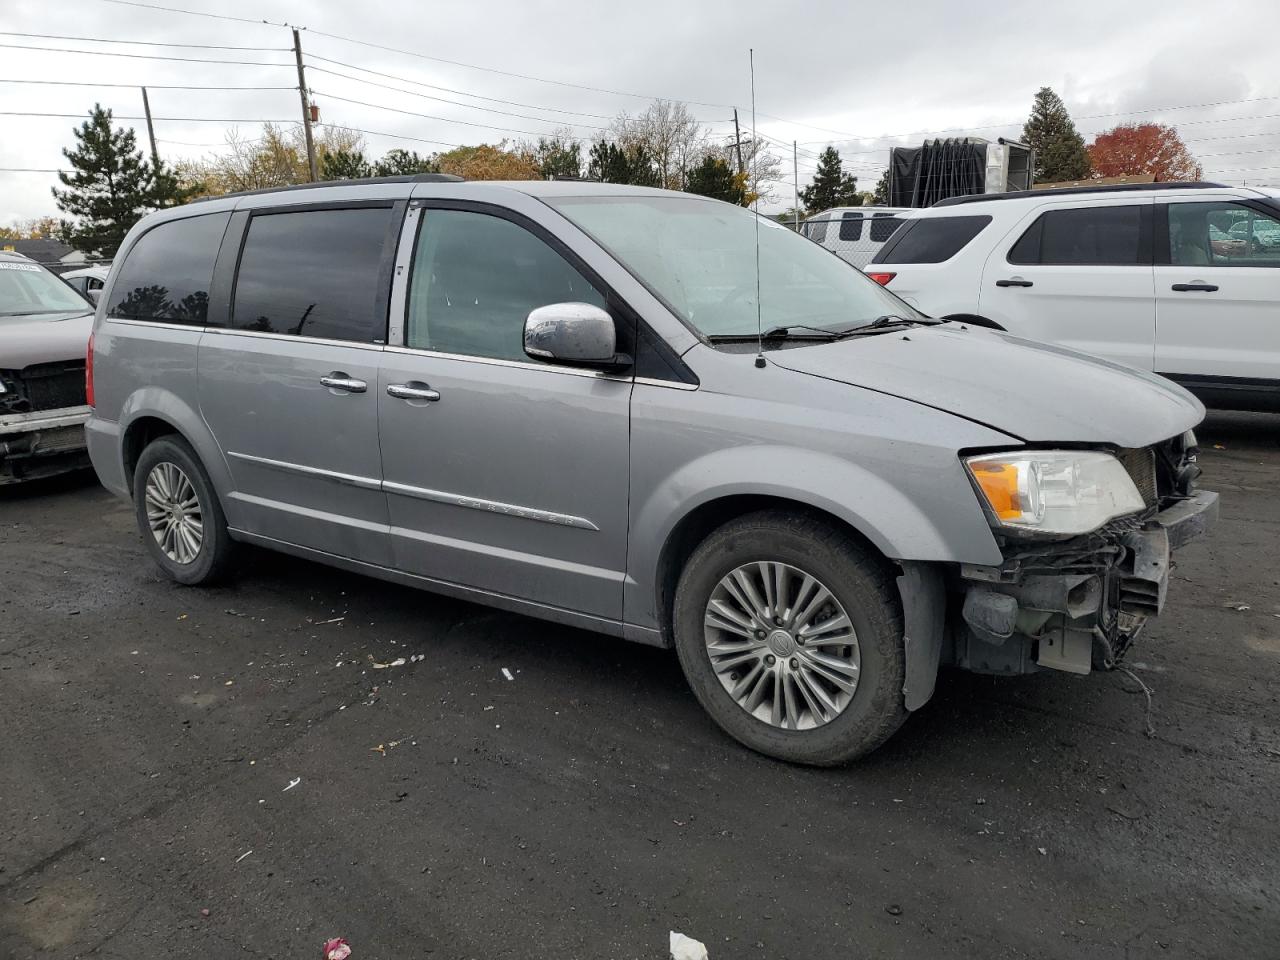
(178, 513)
(790, 634)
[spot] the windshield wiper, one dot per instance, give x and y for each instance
(788, 332)
(891, 321)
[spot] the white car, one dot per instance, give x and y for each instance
(855, 234)
(1142, 274)
(88, 280)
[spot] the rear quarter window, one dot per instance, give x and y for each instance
(931, 239)
(166, 274)
(882, 227)
(851, 227)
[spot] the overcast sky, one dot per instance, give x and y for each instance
(860, 75)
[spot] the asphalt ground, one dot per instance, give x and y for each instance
(585, 808)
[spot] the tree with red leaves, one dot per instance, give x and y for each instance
(1137, 148)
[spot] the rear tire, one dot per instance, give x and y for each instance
(178, 513)
(802, 659)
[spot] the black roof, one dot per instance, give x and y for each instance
(360, 181)
(1069, 191)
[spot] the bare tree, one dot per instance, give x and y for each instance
(763, 166)
(277, 158)
(670, 134)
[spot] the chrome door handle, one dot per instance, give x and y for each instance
(412, 391)
(340, 381)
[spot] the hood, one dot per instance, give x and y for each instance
(1036, 392)
(43, 338)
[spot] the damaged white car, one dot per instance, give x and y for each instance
(44, 335)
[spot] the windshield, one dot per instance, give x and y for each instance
(27, 288)
(699, 256)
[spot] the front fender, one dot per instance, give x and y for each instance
(887, 516)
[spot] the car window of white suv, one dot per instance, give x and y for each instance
(1222, 234)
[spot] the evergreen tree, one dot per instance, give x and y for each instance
(399, 162)
(111, 186)
(831, 186)
(344, 165)
(558, 158)
(1060, 151)
(713, 178)
(881, 194)
(610, 163)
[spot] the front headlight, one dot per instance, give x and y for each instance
(1054, 491)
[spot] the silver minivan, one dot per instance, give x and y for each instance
(587, 403)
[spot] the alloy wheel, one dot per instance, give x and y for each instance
(782, 645)
(173, 512)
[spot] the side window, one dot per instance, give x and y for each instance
(475, 279)
(818, 231)
(166, 274)
(882, 227)
(92, 283)
(1092, 236)
(1222, 234)
(931, 239)
(851, 226)
(313, 273)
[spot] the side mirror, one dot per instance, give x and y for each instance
(94, 295)
(573, 333)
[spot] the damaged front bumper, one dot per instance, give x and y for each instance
(42, 443)
(1074, 604)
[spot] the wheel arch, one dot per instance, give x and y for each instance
(153, 412)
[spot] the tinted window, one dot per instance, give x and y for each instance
(477, 277)
(166, 274)
(1223, 235)
(313, 273)
(882, 227)
(1095, 236)
(931, 240)
(851, 226)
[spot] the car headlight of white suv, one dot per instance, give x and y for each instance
(1054, 491)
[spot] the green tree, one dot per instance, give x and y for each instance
(610, 163)
(397, 162)
(344, 165)
(110, 187)
(831, 186)
(1060, 150)
(713, 178)
(880, 195)
(558, 157)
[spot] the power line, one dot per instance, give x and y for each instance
(145, 43)
(115, 116)
(394, 136)
(427, 96)
(423, 56)
(432, 86)
(142, 56)
(428, 116)
(134, 86)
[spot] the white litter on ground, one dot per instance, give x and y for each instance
(292, 783)
(687, 948)
(507, 673)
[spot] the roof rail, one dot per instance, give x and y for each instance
(360, 181)
(1070, 191)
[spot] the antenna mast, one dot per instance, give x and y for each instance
(755, 209)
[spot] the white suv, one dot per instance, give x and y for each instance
(1180, 279)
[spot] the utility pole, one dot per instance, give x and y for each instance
(737, 141)
(151, 130)
(306, 109)
(795, 172)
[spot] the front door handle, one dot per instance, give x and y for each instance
(340, 381)
(1184, 287)
(413, 390)
(1014, 283)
